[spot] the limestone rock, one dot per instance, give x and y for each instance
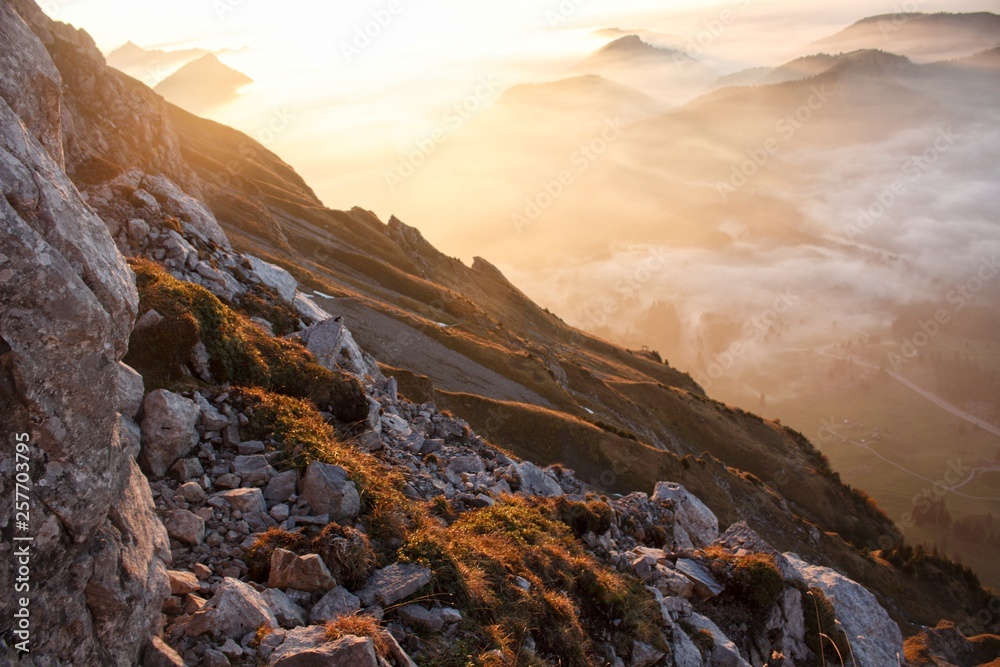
(168, 430)
(694, 523)
(329, 491)
(303, 573)
(130, 391)
(274, 277)
(308, 647)
(289, 614)
(235, 610)
(185, 526)
(394, 583)
(419, 616)
(874, 636)
(337, 602)
(533, 481)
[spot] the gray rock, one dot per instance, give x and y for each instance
(275, 277)
(130, 391)
(214, 658)
(235, 610)
(705, 584)
(282, 486)
(253, 470)
(138, 231)
(334, 348)
(466, 464)
(328, 491)
(187, 469)
(211, 418)
(336, 603)
(251, 447)
(394, 583)
(644, 655)
(449, 615)
(247, 501)
(534, 482)
(289, 614)
(168, 430)
(418, 616)
(724, 652)
(308, 310)
(694, 523)
(303, 573)
(874, 636)
(185, 526)
(194, 214)
(192, 492)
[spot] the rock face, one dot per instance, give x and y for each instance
(67, 303)
(875, 638)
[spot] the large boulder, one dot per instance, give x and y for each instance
(875, 638)
(168, 430)
(328, 491)
(191, 212)
(67, 303)
(335, 348)
(235, 610)
(694, 524)
(275, 277)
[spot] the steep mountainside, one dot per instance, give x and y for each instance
(180, 189)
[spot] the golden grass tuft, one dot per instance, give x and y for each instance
(476, 562)
(358, 625)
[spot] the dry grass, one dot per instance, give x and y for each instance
(476, 562)
(358, 625)
(304, 436)
(239, 352)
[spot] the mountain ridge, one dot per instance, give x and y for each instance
(390, 270)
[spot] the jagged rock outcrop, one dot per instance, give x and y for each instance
(68, 303)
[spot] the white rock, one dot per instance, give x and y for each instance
(694, 523)
(275, 277)
(874, 636)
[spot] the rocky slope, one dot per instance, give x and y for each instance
(241, 431)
